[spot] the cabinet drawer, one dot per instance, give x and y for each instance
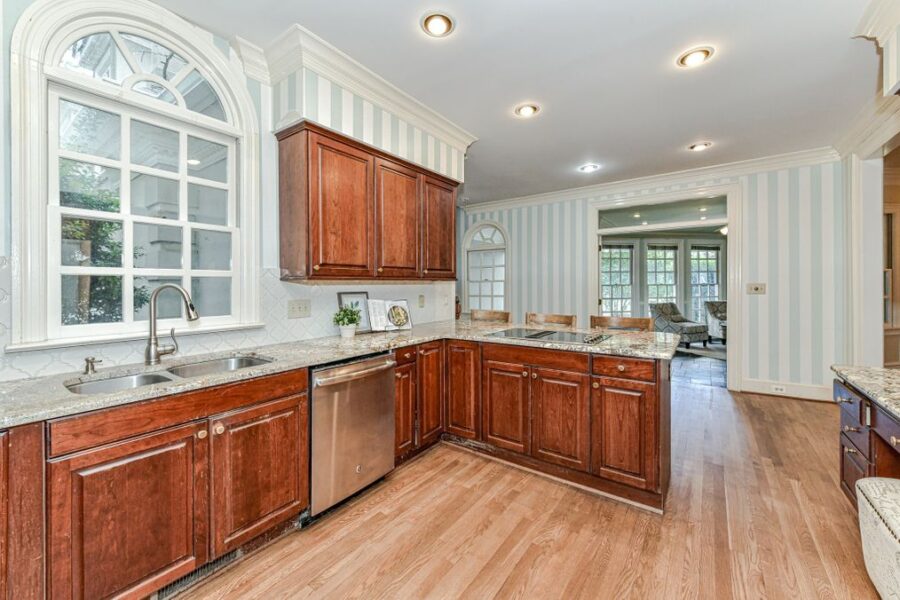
(886, 427)
(406, 355)
(856, 433)
(625, 368)
(849, 401)
(853, 467)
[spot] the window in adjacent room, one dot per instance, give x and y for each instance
(617, 280)
(661, 274)
(704, 265)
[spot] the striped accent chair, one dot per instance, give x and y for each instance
(668, 319)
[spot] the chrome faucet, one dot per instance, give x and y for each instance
(154, 351)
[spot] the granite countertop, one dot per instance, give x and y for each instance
(881, 385)
(38, 399)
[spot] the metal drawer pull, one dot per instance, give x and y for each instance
(534, 375)
(407, 355)
(842, 400)
(850, 450)
(895, 440)
(595, 385)
(201, 434)
(621, 368)
(219, 429)
(398, 375)
(324, 381)
(847, 429)
(524, 373)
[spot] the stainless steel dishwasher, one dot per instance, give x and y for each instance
(352, 428)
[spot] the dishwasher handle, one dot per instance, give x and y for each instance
(326, 381)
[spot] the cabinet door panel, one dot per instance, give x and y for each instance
(506, 406)
(439, 230)
(430, 371)
(341, 216)
(405, 409)
(624, 432)
(130, 517)
(397, 217)
(259, 473)
(464, 389)
(561, 418)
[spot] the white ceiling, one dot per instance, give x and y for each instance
(786, 76)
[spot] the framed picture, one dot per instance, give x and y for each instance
(358, 300)
(389, 315)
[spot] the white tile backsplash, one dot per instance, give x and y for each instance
(439, 306)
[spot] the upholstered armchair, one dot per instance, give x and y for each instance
(668, 319)
(717, 320)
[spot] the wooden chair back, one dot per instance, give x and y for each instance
(638, 323)
(549, 319)
(500, 316)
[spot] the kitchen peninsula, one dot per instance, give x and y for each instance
(593, 414)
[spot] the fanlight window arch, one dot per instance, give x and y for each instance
(144, 66)
(486, 268)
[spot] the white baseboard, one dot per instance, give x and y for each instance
(789, 390)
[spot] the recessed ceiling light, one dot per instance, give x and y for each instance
(644, 223)
(637, 215)
(702, 218)
(695, 57)
(702, 209)
(527, 110)
(437, 24)
(589, 168)
(193, 162)
(700, 146)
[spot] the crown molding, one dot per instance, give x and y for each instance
(690, 180)
(879, 21)
(298, 48)
(875, 125)
(253, 59)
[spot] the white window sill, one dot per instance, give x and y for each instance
(122, 337)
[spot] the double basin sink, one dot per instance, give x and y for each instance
(186, 371)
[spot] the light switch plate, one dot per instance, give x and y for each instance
(757, 289)
(300, 308)
(421, 300)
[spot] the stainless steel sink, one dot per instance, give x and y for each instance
(117, 384)
(221, 365)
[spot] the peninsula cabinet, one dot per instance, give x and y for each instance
(351, 211)
(463, 416)
(140, 495)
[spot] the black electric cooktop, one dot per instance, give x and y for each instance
(546, 335)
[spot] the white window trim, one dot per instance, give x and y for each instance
(44, 31)
(467, 241)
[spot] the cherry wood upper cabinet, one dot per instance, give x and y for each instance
(625, 436)
(351, 211)
(561, 426)
(464, 389)
(397, 217)
(439, 230)
(430, 410)
(260, 473)
(127, 518)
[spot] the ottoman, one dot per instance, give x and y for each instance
(878, 499)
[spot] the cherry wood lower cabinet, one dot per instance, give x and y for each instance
(464, 389)
(561, 427)
(129, 517)
(430, 392)
(506, 402)
(405, 409)
(259, 470)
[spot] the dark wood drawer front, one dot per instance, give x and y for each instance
(406, 355)
(853, 467)
(625, 368)
(856, 433)
(849, 401)
(886, 427)
(541, 357)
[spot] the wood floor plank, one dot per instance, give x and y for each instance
(754, 511)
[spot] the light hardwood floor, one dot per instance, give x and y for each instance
(754, 511)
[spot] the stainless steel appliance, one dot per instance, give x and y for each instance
(550, 335)
(352, 428)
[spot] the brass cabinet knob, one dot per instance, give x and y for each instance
(315, 267)
(534, 375)
(219, 429)
(895, 440)
(849, 450)
(524, 373)
(381, 269)
(407, 355)
(398, 375)
(595, 385)
(426, 270)
(201, 434)
(421, 352)
(621, 368)
(847, 429)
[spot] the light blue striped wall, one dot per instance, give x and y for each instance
(309, 95)
(794, 240)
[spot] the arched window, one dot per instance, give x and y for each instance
(149, 175)
(486, 268)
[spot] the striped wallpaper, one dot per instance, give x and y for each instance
(793, 240)
(309, 95)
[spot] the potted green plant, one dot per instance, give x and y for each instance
(347, 318)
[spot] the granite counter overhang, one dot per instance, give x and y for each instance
(880, 385)
(39, 399)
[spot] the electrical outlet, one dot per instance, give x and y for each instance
(421, 300)
(779, 389)
(757, 289)
(299, 308)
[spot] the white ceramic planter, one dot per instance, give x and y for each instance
(348, 331)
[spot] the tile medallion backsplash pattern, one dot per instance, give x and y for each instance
(278, 328)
